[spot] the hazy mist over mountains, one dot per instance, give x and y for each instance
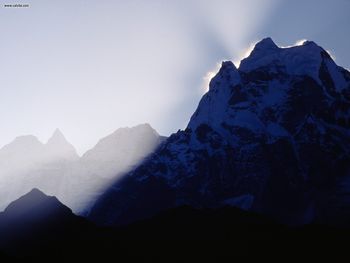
(55, 167)
(174, 129)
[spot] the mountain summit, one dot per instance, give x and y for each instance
(265, 45)
(271, 136)
(57, 138)
(59, 147)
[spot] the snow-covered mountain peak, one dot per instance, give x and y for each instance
(302, 59)
(265, 44)
(271, 136)
(213, 105)
(261, 82)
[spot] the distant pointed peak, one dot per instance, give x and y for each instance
(58, 145)
(58, 132)
(57, 136)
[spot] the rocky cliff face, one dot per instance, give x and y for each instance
(271, 136)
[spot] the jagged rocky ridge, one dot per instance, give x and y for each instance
(271, 136)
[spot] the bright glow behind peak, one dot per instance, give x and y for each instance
(299, 42)
(244, 54)
(331, 54)
(101, 68)
(209, 75)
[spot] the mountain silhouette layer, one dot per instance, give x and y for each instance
(40, 228)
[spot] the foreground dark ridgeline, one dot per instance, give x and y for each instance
(50, 231)
(35, 219)
(272, 136)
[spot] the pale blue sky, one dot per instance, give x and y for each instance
(90, 67)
